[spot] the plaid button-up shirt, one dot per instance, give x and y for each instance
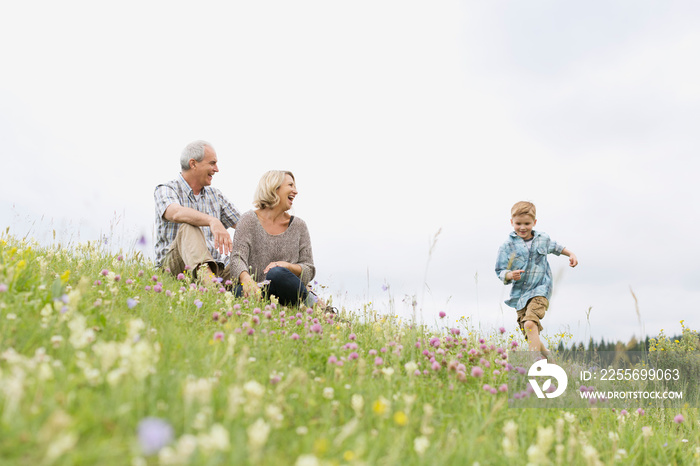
(537, 278)
(210, 201)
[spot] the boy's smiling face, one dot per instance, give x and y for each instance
(523, 225)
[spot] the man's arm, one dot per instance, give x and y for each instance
(179, 214)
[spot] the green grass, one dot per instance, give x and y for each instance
(80, 369)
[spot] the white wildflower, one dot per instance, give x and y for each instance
(510, 441)
(274, 414)
(411, 367)
(64, 442)
(257, 435)
(420, 444)
(357, 403)
(216, 440)
(198, 390)
(307, 460)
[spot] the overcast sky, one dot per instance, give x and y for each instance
(399, 119)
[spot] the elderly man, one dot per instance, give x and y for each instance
(192, 218)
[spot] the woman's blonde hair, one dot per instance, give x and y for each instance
(266, 193)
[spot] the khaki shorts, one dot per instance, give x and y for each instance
(533, 311)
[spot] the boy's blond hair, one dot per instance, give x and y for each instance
(523, 208)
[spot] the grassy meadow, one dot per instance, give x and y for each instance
(106, 360)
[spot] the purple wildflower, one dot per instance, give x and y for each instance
(154, 434)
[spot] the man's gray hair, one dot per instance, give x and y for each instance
(194, 150)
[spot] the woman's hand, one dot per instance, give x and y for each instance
(250, 288)
(272, 265)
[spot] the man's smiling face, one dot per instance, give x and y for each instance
(204, 171)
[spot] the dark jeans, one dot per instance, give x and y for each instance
(288, 288)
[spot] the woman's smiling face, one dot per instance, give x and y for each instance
(287, 192)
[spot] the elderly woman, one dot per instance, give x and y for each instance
(271, 248)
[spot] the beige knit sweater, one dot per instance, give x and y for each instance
(254, 248)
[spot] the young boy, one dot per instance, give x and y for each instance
(522, 261)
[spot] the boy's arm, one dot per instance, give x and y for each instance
(503, 264)
(573, 261)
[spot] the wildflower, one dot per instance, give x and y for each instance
(198, 303)
(328, 393)
(378, 361)
(442, 314)
(400, 418)
(307, 460)
(257, 435)
(647, 432)
(131, 303)
(510, 441)
(477, 371)
(420, 444)
(295, 336)
(502, 330)
(410, 367)
(154, 434)
(316, 328)
(678, 419)
(3, 287)
(104, 272)
(640, 412)
(219, 336)
(380, 406)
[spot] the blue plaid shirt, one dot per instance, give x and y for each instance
(211, 202)
(537, 278)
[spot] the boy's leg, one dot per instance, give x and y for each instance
(529, 321)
